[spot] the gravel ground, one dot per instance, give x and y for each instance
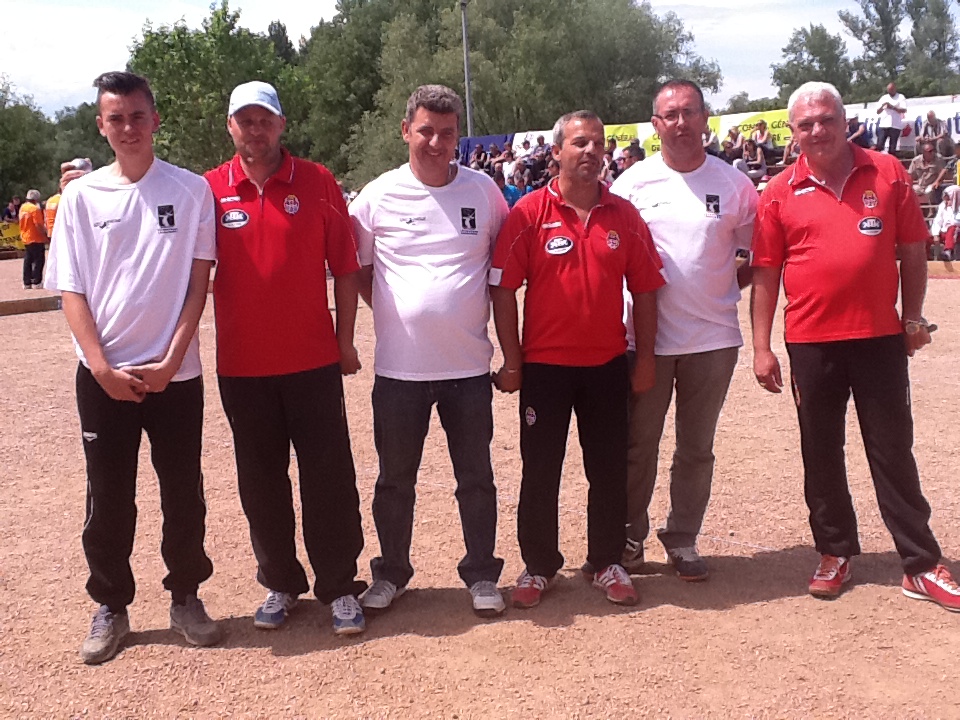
(750, 643)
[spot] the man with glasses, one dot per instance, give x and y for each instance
(700, 211)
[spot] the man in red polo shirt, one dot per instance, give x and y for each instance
(574, 243)
(281, 221)
(832, 226)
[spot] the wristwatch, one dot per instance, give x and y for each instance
(912, 327)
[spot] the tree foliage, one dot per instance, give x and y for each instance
(883, 58)
(26, 145)
(741, 103)
(812, 53)
(934, 49)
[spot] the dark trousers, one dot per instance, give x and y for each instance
(598, 395)
(306, 409)
(173, 420)
(875, 371)
(401, 418)
(33, 259)
(887, 136)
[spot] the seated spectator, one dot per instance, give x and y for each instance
(790, 152)
(11, 213)
(493, 153)
(511, 193)
(936, 130)
(711, 143)
(478, 161)
(509, 163)
(762, 137)
(542, 145)
(753, 163)
(927, 172)
(736, 140)
(944, 226)
(728, 153)
(857, 132)
(524, 150)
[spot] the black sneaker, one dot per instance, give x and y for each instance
(688, 564)
(106, 632)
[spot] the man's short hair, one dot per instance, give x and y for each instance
(814, 89)
(498, 177)
(435, 98)
(123, 83)
(632, 151)
(676, 85)
(561, 125)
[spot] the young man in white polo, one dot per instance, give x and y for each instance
(131, 256)
(426, 232)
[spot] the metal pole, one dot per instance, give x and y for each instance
(466, 68)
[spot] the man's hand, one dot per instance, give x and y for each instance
(155, 376)
(508, 381)
(644, 374)
(766, 367)
(349, 360)
(121, 385)
(916, 340)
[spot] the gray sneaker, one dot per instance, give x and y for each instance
(688, 564)
(380, 594)
(106, 632)
(191, 621)
(487, 600)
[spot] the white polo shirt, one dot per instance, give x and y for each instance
(430, 248)
(130, 249)
(698, 220)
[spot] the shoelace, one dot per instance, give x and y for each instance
(614, 575)
(943, 577)
(102, 623)
(275, 602)
(527, 580)
(346, 606)
(827, 569)
(485, 588)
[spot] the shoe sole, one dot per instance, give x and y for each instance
(627, 602)
(262, 625)
(694, 578)
(349, 630)
(488, 613)
(920, 596)
(194, 641)
(374, 610)
(524, 606)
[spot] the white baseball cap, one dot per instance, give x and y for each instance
(255, 92)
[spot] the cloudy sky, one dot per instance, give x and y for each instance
(75, 40)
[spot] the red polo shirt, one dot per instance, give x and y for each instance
(839, 255)
(573, 307)
(270, 290)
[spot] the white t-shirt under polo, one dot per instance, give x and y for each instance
(430, 248)
(698, 220)
(130, 249)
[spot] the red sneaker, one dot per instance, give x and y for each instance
(616, 583)
(832, 573)
(936, 585)
(528, 590)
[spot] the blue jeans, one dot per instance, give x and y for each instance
(401, 417)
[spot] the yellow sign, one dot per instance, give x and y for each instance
(623, 133)
(10, 235)
(776, 124)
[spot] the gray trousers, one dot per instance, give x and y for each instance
(701, 381)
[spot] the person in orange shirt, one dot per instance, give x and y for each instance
(33, 233)
(71, 170)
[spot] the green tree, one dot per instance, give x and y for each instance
(76, 135)
(878, 29)
(277, 32)
(192, 73)
(26, 146)
(741, 103)
(934, 49)
(812, 54)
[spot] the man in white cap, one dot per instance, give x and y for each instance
(281, 222)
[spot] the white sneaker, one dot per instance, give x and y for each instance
(380, 595)
(487, 600)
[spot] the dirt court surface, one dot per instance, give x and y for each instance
(750, 643)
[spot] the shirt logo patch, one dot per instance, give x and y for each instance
(613, 240)
(412, 220)
(870, 199)
(530, 416)
(166, 219)
(550, 226)
(103, 223)
(89, 436)
(468, 221)
(291, 203)
(871, 226)
(713, 204)
(559, 245)
(804, 191)
(233, 219)
(230, 198)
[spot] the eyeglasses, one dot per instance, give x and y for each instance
(673, 117)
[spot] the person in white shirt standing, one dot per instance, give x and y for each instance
(893, 106)
(426, 232)
(131, 256)
(700, 211)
